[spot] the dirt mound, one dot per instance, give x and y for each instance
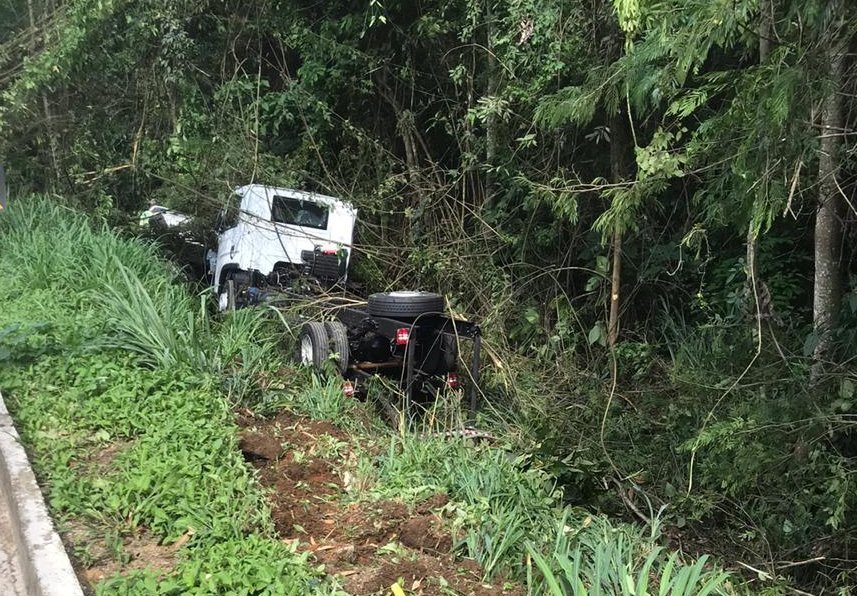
(369, 546)
(425, 533)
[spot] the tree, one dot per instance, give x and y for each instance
(829, 216)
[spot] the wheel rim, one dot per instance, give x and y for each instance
(306, 350)
(405, 293)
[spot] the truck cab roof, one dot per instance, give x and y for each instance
(257, 200)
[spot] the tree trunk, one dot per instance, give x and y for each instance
(491, 121)
(615, 283)
(619, 151)
(765, 26)
(53, 141)
(751, 269)
(829, 213)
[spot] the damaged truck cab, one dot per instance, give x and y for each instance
(270, 235)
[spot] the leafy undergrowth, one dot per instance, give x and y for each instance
(112, 375)
(124, 391)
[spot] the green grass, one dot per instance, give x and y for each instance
(252, 566)
(509, 510)
(598, 558)
(100, 347)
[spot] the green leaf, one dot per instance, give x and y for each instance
(531, 315)
(596, 334)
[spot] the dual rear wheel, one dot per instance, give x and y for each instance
(324, 342)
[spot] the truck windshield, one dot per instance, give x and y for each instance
(298, 212)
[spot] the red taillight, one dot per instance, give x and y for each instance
(348, 389)
(452, 381)
(403, 334)
(329, 250)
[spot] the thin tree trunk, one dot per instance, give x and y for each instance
(405, 126)
(615, 284)
(765, 26)
(828, 218)
(752, 271)
(491, 121)
(53, 141)
(619, 151)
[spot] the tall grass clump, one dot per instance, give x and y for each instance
(126, 294)
(322, 398)
(156, 321)
(55, 254)
(591, 556)
(244, 352)
(49, 246)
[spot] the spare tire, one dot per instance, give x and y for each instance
(405, 304)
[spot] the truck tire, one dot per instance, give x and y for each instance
(314, 348)
(405, 305)
(338, 335)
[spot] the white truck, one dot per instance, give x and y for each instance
(269, 235)
(272, 236)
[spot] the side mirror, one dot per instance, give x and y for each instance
(220, 222)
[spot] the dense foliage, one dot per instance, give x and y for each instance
(689, 163)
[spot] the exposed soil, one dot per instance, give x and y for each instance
(369, 546)
(104, 558)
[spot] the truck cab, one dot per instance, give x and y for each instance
(268, 235)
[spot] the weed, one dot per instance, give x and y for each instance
(323, 399)
(329, 447)
(611, 560)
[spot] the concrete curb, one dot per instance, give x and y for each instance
(44, 564)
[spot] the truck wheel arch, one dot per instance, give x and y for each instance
(227, 271)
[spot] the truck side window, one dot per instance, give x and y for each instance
(298, 212)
